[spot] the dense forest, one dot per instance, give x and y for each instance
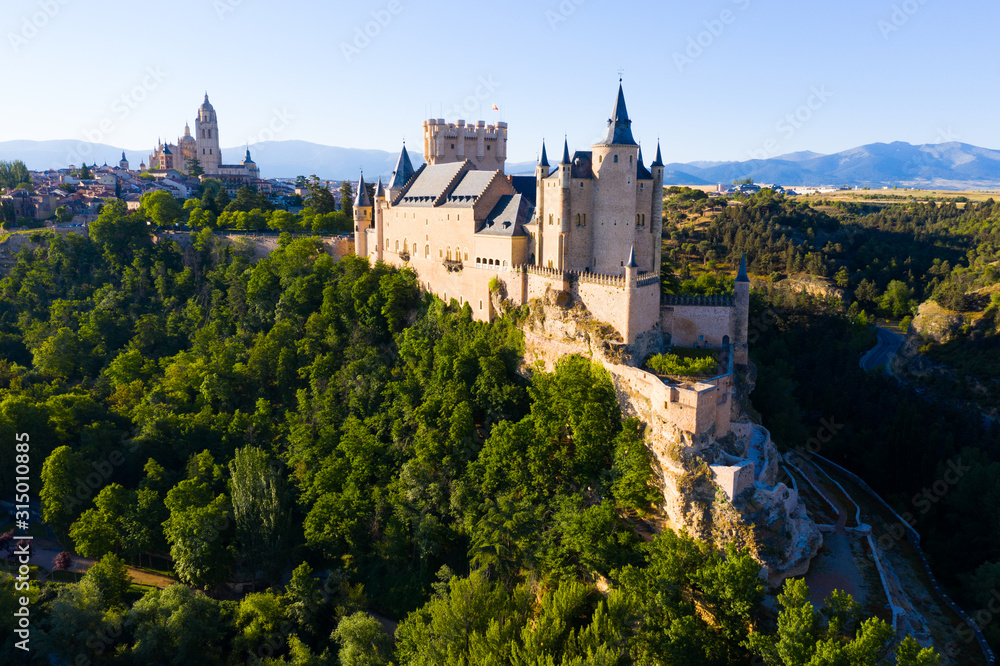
(316, 452)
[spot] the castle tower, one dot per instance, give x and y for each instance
(541, 214)
(362, 219)
(565, 180)
(484, 145)
(206, 129)
(615, 168)
(656, 219)
(402, 175)
(741, 314)
(124, 163)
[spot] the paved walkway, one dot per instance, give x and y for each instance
(834, 568)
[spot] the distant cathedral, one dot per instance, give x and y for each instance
(203, 146)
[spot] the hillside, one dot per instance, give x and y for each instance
(946, 166)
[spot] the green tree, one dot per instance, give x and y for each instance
(363, 641)
(63, 472)
(194, 168)
(320, 199)
(162, 208)
(110, 578)
(347, 198)
(197, 531)
(260, 510)
(177, 626)
(898, 300)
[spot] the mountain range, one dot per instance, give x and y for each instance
(950, 166)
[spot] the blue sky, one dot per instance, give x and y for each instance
(714, 80)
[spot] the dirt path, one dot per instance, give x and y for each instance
(45, 551)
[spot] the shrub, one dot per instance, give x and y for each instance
(673, 364)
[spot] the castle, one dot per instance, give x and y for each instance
(204, 147)
(590, 227)
(582, 242)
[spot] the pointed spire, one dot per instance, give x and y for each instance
(742, 277)
(248, 158)
(631, 259)
(619, 125)
(658, 162)
(361, 200)
(123, 157)
(379, 190)
(565, 157)
(403, 173)
(543, 161)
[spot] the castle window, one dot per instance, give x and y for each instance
(449, 254)
(466, 255)
(489, 147)
(584, 219)
(600, 159)
(630, 159)
(453, 146)
(577, 219)
(701, 338)
(480, 304)
(397, 246)
(551, 217)
(440, 253)
(414, 248)
(427, 251)
(616, 159)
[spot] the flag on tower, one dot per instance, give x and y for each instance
(496, 108)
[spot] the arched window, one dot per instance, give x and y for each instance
(414, 248)
(616, 159)
(397, 246)
(449, 254)
(427, 251)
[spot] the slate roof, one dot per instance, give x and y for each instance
(431, 183)
(641, 172)
(619, 126)
(361, 200)
(508, 217)
(403, 172)
(743, 277)
(470, 188)
(583, 164)
(544, 160)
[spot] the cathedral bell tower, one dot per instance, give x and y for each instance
(206, 130)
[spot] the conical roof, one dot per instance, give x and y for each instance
(742, 276)
(403, 173)
(361, 200)
(543, 161)
(619, 125)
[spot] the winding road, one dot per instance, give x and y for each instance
(885, 349)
